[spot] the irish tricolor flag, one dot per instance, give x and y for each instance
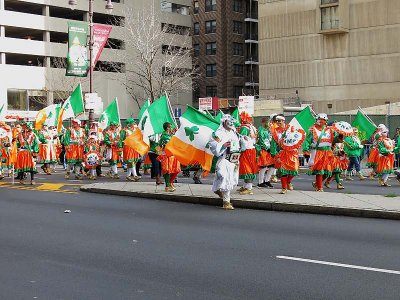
(48, 116)
(72, 107)
(189, 144)
(303, 119)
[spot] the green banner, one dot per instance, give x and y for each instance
(77, 58)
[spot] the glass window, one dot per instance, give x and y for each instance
(211, 70)
(196, 49)
(238, 49)
(237, 91)
(196, 7)
(211, 48)
(237, 5)
(211, 5)
(238, 70)
(211, 26)
(329, 18)
(237, 27)
(17, 99)
(196, 28)
(211, 91)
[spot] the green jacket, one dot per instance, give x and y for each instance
(352, 146)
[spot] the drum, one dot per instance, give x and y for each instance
(92, 159)
(293, 138)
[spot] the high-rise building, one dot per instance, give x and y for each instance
(33, 47)
(338, 54)
(225, 42)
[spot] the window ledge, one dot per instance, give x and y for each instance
(333, 31)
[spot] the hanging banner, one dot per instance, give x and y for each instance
(100, 37)
(77, 58)
(246, 103)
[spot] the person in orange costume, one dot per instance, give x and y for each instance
(319, 142)
(5, 147)
(385, 161)
(74, 141)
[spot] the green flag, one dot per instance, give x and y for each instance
(153, 118)
(366, 127)
(219, 116)
(73, 106)
(235, 115)
(143, 109)
(77, 58)
(110, 114)
(303, 119)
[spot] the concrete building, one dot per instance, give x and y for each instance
(337, 54)
(33, 38)
(225, 42)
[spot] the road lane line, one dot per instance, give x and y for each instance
(321, 262)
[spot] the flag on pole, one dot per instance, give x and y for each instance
(365, 126)
(48, 116)
(189, 144)
(110, 114)
(135, 141)
(154, 116)
(2, 112)
(72, 107)
(303, 119)
(219, 116)
(235, 115)
(144, 107)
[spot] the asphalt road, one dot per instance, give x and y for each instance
(112, 247)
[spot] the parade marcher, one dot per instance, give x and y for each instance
(92, 156)
(247, 163)
(385, 161)
(225, 145)
(112, 141)
(153, 155)
(318, 142)
(47, 152)
(265, 160)
(353, 149)
(339, 162)
(74, 141)
(5, 148)
(28, 148)
(285, 143)
(94, 127)
(130, 156)
(170, 166)
(373, 155)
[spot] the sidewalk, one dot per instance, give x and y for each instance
(368, 206)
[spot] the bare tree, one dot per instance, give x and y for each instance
(158, 56)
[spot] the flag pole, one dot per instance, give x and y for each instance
(119, 116)
(365, 114)
(170, 109)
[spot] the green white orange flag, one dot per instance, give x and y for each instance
(235, 115)
(110, 114)
(303, 119)
(366, 127)
(154, 116)
(135, 141)
(144, 107)
(189, 144)
(72, 107)
(48, 116)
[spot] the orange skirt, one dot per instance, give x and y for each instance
(385, 164)
(248, 167)
(147, 162)
(25, 162)
(130, 155)
(373, 157)
(323, 163)
(265, 159)
(47, 154)
(288, 162)
(169, 165)
(340, 164)
(74, 154)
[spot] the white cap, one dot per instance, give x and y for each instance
(322, 116)
(77, 121)
(279, 117)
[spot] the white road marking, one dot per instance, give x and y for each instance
(338, 264)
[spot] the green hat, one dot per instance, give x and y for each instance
(114, 123)
(29, 125)
(130, 121)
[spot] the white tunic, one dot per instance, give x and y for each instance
(226, 173)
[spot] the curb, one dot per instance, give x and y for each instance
(258, 205)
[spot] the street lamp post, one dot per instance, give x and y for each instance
(109, 7)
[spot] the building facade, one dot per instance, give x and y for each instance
(225, 43)
(33, 47)
(338, 54)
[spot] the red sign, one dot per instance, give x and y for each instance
(100, 37)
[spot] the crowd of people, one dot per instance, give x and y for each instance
(242, 151)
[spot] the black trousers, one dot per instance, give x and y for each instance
(155, 165)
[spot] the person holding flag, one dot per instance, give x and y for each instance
(130, 156)
(28, 148)
(170, 166)
(114, 152)
(74, 141)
